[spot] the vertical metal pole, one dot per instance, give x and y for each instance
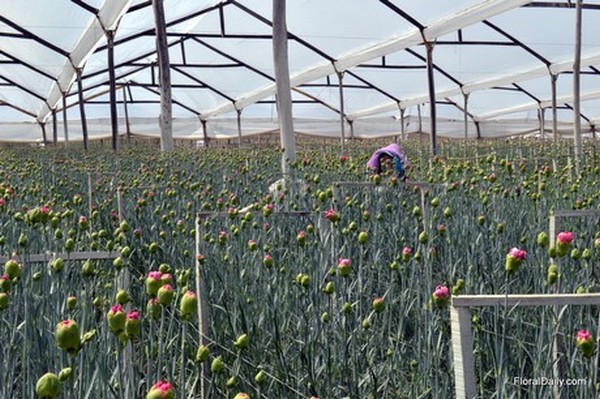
(542, 120)
(282, 80)
(114, 122)
(164, 68)
(44, 137)
(82, 109)
(239, 126)
(553, 79)
(340, 76)
(204, 132)
(403, 124)
(465, 119)
(65, 123)
(577, 86)
(54, 127)
(431, 85)
(125, 108)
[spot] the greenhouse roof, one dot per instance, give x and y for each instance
(497, 57)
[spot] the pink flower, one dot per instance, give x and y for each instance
(332, 215)
(133, 315)
(585, 343)
(343, 158)
(441, 296)
(344, 267)
(44, 210)
(518, 254)
(565, 237)
(156, 275)
(441, 292)
(116, 309)
(162, 390)
(584, 336)
(406, 251)
(2, 202)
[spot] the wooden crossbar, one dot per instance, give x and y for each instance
(75, 256)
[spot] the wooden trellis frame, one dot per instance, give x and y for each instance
(71, 256)
(462, 337)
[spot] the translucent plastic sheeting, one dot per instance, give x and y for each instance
(499, 53)
(389, 126)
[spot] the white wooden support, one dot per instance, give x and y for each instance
(462, 350)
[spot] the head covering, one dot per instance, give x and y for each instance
(395, 152)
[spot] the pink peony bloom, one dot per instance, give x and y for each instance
(565, 237)
(406, 251)
(44, 209)
(344, 262)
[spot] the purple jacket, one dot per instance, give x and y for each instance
(394, 151)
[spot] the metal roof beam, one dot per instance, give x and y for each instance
(518, 42)
(403, 14)
(195, 79)
(17, 108)
(28, 65)
(186, 107)
(29, 35)
(86, 6)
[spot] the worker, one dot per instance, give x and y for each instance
(389, 158)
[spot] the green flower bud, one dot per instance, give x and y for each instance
(217, 365)
(122, 297)
(3, 300)
(71, 302)
(116, 319)
(48, 386)
(242, 341)
(188, 305)
(68, 336)
(260, 377)
(165, 295)
(12, 269)
(202, 354)
(65, 374)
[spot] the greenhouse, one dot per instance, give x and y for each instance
(332, 199)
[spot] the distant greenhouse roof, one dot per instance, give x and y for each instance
(497, 57)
